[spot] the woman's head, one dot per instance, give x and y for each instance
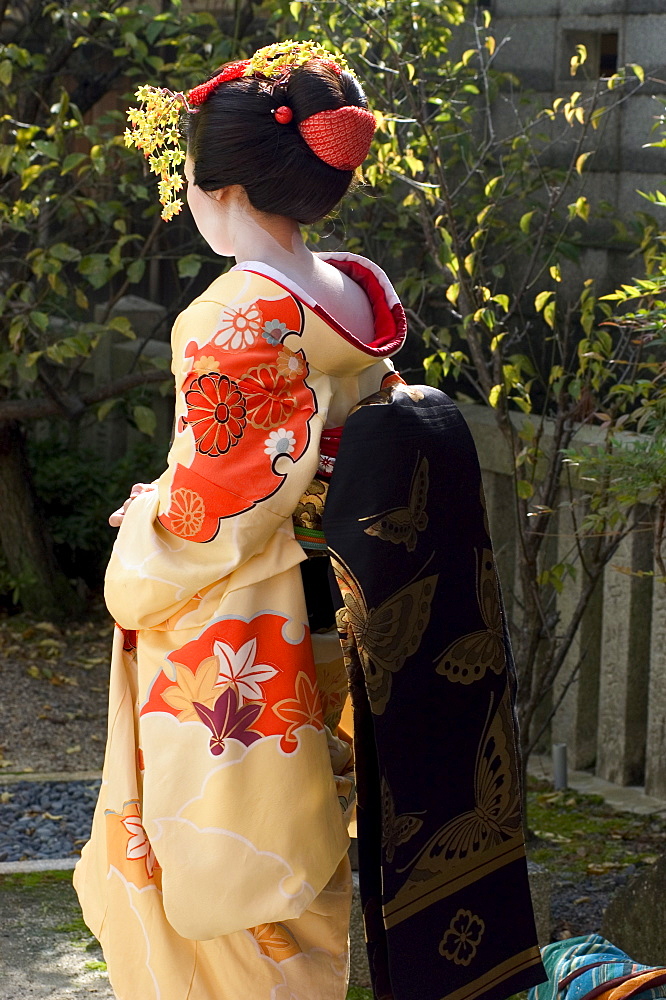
(235, 138)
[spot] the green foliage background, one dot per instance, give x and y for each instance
(482, 229)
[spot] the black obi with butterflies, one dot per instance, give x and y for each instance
(442, 865)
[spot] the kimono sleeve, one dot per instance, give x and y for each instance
(245, 447)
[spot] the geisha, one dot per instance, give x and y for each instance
(217, 867)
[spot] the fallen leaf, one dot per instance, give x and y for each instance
(582, 899)
(6, 797)
(48, 815)
(47, 627)
(75, 749)
(603, 867)
(34, 671)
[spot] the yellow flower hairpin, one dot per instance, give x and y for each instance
(155, 131)
(155, 124)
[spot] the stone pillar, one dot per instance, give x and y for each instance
(500, 495)
(575, 722)
(655, 764)
(625, 659)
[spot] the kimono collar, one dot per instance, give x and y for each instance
(389, 316)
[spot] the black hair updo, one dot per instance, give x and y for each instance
(234, 139)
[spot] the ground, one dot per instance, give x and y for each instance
(53, 718)
(55, 687)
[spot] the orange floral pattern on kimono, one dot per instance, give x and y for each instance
(229, 679)
(242, 421)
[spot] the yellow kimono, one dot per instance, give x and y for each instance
(217, 865)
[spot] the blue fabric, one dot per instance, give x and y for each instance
(562, 958)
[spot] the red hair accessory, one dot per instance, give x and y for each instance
(234, 71)
(283, 115)
(340, 138)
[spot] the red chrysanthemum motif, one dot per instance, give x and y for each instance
(268, 397)
(215, 412)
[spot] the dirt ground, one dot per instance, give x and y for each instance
(46, 951)
(53, 693)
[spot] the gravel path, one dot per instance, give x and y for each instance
(45, 819)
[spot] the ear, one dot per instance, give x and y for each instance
(232, 193)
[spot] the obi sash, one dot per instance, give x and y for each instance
(443, 875)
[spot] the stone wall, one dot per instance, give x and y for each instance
(613, 715)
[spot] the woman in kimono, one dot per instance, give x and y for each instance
(217, 867)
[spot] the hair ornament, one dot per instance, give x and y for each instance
(342, 137)
(155, 131)
(154, 126)
(283, 115)
(234, 71)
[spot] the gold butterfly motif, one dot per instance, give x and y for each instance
(396, 830)
(495, 817)
(383, 637)
(467, 659)
(401, 524)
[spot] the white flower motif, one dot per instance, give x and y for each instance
(326, 464)
(240, 670)
(273, 331)
(138, 846)
(238, 327)
(280, 442)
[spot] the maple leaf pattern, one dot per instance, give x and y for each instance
(191, 687)
(228, 719)
(240, 671)
(275, 941)
(303, 710)
(138, 845)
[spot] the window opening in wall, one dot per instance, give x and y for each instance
(602, 53)
(608, 54)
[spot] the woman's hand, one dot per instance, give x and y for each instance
(116, 519)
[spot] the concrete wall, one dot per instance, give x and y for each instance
(537, 36)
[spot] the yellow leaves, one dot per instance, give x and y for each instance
(581, 208)
(494, 395)
(452, 292)
(545, 304)
(577, 59)
(549, 314)
(582, 159)
(492, 184)
(554, 272)
(596, 117)
(525, 222)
